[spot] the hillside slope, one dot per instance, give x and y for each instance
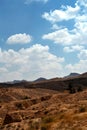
(46, 105)
(34, 109)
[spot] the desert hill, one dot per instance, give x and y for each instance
(45, 105)
(72, 75)
(59, 84)
(40, 79)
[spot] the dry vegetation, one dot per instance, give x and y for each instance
(48, 105)
(42, 109)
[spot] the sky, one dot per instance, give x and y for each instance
(42, 38)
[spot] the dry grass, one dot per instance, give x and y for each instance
(40, 109)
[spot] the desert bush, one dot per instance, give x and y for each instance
(34, 126)
(79, 89)
(19, 105)
(34, 101)
(46, 112)
(82, 109)
(73, 91)
(26, 97)
(61, 116)
(71, 88)
(48, 120)
(8, 119)
(43, 128)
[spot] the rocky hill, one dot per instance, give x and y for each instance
(45, 105)
(72, 75)
(40, 79)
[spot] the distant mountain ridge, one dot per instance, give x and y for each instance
(15, 81)
(72, 75)
(84, 74)
(40, 79)
(59, 84)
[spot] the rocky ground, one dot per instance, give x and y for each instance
(42, 109)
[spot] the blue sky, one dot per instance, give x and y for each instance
(42, 38)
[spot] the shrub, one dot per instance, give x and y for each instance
(79, 89)
(48, 119)
(26, 97)
(43, 128)
(71, 89)
(82, 109)
(19, 105)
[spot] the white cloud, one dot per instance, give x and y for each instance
(19, 39)
(69, 37)
(79, 67)
(56, 27)
(65, 36)
(62, 36)
(30, 1)
(73, 48)
(82, 3)
(83, 54)
(37, 61)
(73, 38)
(3, 70)
(66, 13)
(30, 63)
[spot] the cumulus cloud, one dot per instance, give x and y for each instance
(73, 48)
(62, 36)
(30, 1)
(82, 3)
(83, 54)
(66, 13)
(19, 39)
(79, 67)
(66, 36)
(73, 38)
(37, 61)
(30, 63)
(56, 27)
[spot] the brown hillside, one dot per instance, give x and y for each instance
(31, 109)
(44, 105)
